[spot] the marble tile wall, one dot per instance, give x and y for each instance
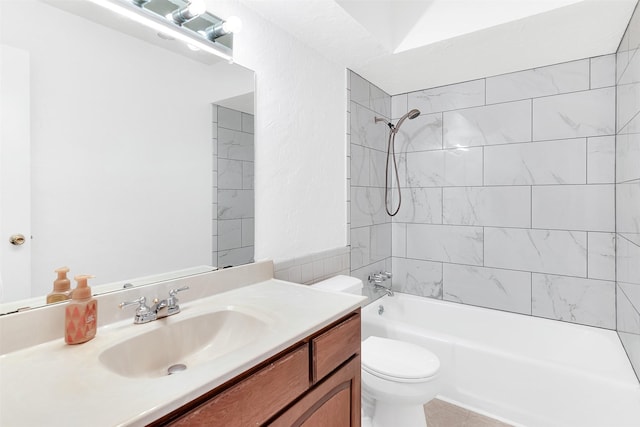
(508, 192)
(627, 178)
(233, 194)
(369, 225)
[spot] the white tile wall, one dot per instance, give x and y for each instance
(496, 206)
(399, 239)
(417, 277)
(585, 301)
(420, 134)
(452, 97)
(627, 193)
(445, 243)
(233, 196)
(539, 163)
(627, 257)
(488, 287)
(628, 104)
(572, 115)
(488, 125)
(631, 292)
(360, 247)
(601, 259)
(233, 144)
(365, 131)
(627, 157)
(574, 207)
(230, 234)
(603, 71)
(503, 179)
(370, 229)
(628, 318)
(628, 207)
(229, 119)
(538, 82)
(399, 106)
(601, 157)
(367, 206)
(230, 174)
(235, 204)
(458, 167)
(421, 204)
(545, 251)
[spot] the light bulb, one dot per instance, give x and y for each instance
(197, 7)
(233, 24)
(192, 10)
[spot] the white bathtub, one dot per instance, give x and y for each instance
(523, 370)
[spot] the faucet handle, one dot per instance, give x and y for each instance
(143, 313)
(387, 274)
(172, 301)
(173, 292)
(142, 303)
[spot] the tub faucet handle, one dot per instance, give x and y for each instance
(376, 278)
(387, 274)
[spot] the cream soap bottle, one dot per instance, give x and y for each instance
(61, 287)
(81, 314)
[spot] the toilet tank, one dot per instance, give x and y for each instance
(347, 284)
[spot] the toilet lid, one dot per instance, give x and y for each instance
(398, 359)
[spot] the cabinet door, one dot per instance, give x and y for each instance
(334, 402)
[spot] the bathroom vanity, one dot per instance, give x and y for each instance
(258, 351)
(314, 382)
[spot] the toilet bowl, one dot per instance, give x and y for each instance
(398, 377)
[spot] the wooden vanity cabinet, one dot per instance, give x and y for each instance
(315, 382)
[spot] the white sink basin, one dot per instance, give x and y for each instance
(189, 341)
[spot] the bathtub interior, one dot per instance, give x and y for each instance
(523, 370)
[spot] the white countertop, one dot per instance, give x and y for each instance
(54, 384)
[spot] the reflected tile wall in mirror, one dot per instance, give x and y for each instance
(234, 193)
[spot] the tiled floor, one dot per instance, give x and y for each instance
(443, 414)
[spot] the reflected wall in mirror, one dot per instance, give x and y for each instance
(118, 133)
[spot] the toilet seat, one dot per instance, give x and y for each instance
(398, 361)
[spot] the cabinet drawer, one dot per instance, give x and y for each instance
(334, 347)
(256, 399)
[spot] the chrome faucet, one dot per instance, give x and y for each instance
(379, 287)
(376, 279)
(144, 314)
(159, 309)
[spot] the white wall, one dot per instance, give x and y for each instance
(300, 139)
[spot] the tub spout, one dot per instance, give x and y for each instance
(379, 287)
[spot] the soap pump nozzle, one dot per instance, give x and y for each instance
(82, 290)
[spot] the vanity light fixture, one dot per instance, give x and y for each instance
(167, 26)
(233, 24)
(191, 10)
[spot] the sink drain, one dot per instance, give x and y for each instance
(174, 369)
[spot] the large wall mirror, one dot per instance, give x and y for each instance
(123, 154)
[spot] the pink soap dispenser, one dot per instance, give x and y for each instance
(81, 313)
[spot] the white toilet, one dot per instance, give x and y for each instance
(398, 377)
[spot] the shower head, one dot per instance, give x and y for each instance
(410, 115)
(413, 114)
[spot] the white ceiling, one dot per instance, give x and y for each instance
(407, 45)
